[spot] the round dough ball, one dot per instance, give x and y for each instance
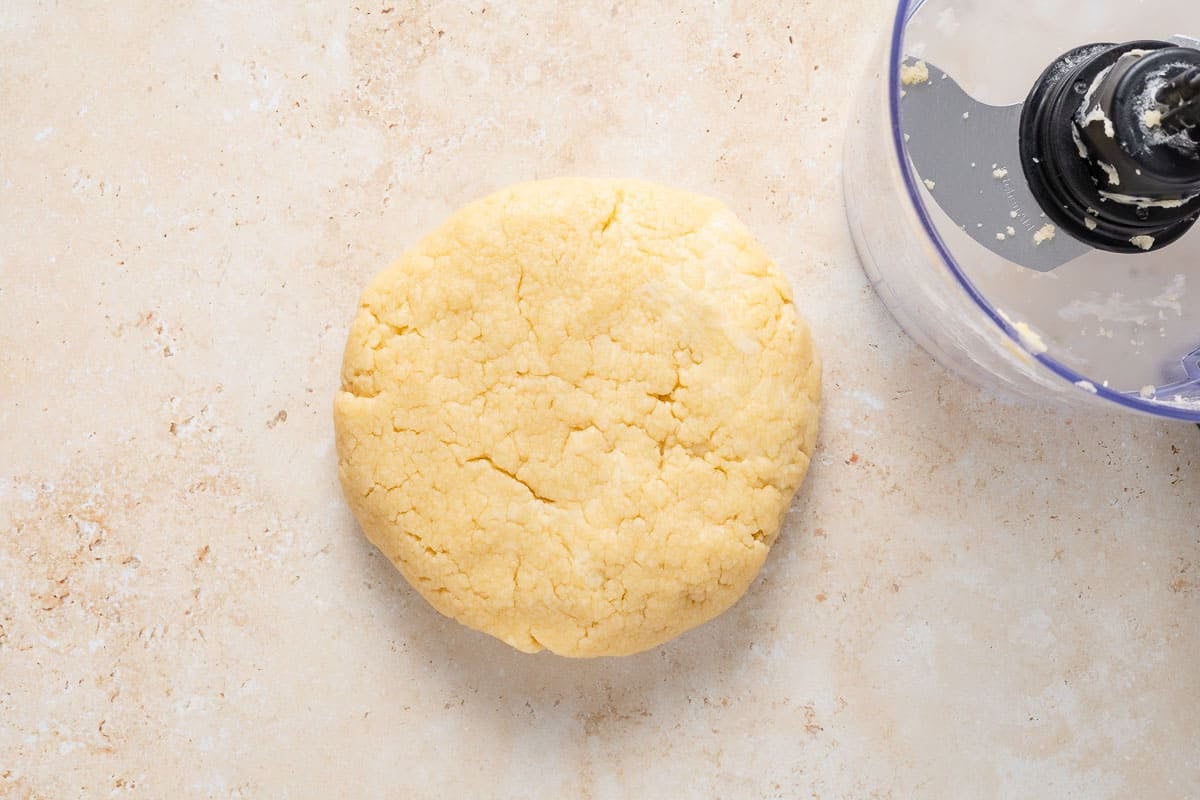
(574, 415)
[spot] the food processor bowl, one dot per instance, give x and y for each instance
(1103, 329)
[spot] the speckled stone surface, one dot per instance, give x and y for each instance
(969, 600)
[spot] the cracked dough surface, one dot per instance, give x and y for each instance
(575, 414)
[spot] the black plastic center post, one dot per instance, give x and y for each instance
(1110, 147)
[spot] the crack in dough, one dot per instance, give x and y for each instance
(575, 414)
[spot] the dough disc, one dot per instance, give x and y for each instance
(575, 415)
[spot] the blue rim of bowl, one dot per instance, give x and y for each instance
(904, 11)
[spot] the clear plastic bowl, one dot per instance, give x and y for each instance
(1117, 330)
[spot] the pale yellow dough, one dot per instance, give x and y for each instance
(575, 414)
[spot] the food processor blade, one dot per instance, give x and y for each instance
(968, 154)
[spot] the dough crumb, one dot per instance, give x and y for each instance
(1148, 392)
(1152, 118)
(1110, 172)
(999, 173)
(1144, 242)
(1097, 115)
(1030, 339)
(929, 184)
(1044, 234)
(1087, 386)
(911, 75)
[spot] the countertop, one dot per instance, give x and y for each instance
(969, 599)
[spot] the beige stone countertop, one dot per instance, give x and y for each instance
(969, 600)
